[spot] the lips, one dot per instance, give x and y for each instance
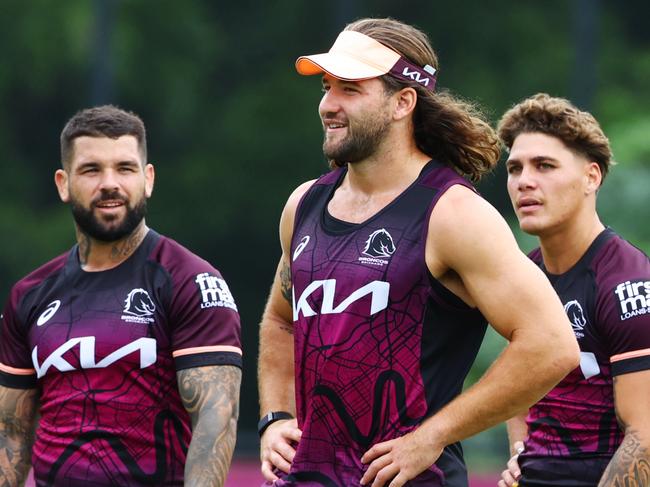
(528, 204)
(332, 124)
(109, 204)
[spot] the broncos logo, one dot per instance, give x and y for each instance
(575, 314)
(138, 303)
(379, 244)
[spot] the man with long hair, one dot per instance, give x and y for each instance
(128, 344)
(391, 265)
(595, 420)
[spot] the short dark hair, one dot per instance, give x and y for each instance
(103, 121)
(560, 118)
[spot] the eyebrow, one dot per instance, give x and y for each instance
(91, 163)
(341, 81)
(533, 159)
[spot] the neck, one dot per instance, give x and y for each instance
(95, 255)
(395, 165)
(563, 248)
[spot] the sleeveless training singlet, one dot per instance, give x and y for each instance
(104, 349)
(379, 344)
(573, 432)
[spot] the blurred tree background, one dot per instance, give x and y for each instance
(233, 129)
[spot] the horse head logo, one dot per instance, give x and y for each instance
(138, 303)
(379, 244)
(576, 315)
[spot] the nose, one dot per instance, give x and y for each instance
(526, 178)
(329, 105)
(109, 181)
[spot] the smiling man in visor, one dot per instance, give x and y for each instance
(391, 266)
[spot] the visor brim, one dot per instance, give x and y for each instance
(338, 65)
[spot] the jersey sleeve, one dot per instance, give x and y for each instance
(16, 368)
(204, 319)
(623, 308)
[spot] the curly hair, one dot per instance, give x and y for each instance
(446, 128)
(558, 117)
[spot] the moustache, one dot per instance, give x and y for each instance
(112, 196)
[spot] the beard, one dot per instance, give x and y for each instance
(103, 231)
(361, 142)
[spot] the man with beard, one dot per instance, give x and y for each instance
(129, 342)
(592, 428)
(391, 266)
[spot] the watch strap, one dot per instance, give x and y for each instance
(270, 418)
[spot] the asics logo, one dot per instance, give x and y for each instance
(300, 247)
(52, 308)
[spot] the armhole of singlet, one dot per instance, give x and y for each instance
(442, 294)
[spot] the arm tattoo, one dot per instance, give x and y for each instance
(285, 289)
(17, 420)
(210, 395)
(285, 281)
(630, 465)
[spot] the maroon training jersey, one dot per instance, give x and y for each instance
(573, 432)
(104, 348)
(380, 345)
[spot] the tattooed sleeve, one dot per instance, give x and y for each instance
(211, 396)
(630, 466)
(17, 419)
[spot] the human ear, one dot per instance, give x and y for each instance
(593, 176)
(149, 177)
(406, 101)
(61, 181)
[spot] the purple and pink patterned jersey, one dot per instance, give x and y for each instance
(380, 345)
(573, 431)
(104, 349)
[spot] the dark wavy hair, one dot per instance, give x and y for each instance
(558, 117)
(103, 121)
(446, 128)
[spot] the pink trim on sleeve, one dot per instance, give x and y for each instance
(216, 348)
(626, 355)
(14, 371)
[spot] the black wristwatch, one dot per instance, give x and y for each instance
(271, 418)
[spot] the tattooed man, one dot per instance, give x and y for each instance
(127, 346)
(593, 429)
(391, 264)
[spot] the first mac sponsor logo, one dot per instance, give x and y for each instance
(214, 292)
(634, 298)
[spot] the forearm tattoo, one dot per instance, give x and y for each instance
(285, 281)
(211, 397)
(17, 419)
(630, 466)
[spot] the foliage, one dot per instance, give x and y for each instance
(233, 129)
